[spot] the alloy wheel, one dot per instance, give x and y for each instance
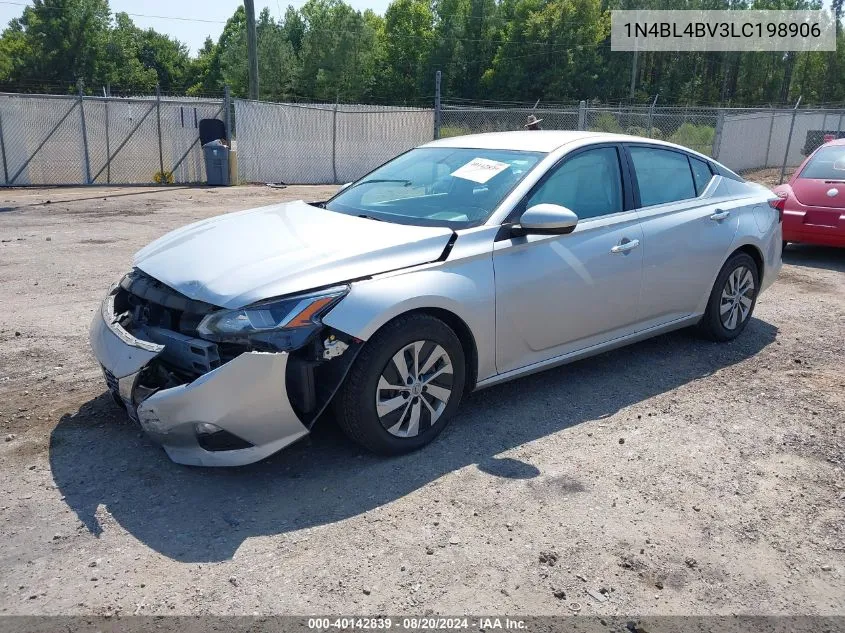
(414, 388)
(737, 298)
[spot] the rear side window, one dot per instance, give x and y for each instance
(827, 164)
(701, 174)
(589, 183)
(662, 175)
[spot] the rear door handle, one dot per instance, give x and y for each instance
(720, 215)
(625, 246)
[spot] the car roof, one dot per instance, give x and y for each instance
(838, 141)
(541, 140)
(525, 140)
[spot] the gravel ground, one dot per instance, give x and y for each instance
(675, 476)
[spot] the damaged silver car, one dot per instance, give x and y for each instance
(459, 264)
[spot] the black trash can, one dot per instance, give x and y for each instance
(216, 163)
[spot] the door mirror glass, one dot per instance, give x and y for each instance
(548, 219)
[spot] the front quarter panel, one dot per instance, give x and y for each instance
(462, 285)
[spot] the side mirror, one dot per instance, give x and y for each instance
(548, 219)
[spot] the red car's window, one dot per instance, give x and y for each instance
(827, 164)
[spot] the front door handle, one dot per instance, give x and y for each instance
(625, 246)
(720, 215)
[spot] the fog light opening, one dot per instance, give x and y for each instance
(211, 437)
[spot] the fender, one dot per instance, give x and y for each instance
(464, 285)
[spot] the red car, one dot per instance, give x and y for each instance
(814, 209)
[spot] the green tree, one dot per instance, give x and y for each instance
(408, 40)
(123, 67)
(505, 50)
(338, 51)
(14, 51)
(549, 50)
(206, 76)
(64, 40)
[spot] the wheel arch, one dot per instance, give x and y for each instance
(755, 253)
(462, 296)
(461, 330)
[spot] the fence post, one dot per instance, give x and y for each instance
(334, 144)
(789, 140)
(227, 114)
(107, 95)
(838, 127)
(717, 136)
(582, 115)
(3, 152)
(158, 123)
(769, 143)
(84, 136)
(651, 114)
(437, 77)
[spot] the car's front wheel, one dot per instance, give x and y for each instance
(732, 299)
(404, 386)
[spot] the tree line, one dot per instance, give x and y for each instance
(488, 50)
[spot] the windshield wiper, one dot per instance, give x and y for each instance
(405, 183)
(370, 217)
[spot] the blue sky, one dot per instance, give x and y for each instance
(200, 17)
(190, 30)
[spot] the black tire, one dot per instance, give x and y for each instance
(712, 324)
(355, 402)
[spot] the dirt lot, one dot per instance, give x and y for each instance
(678, 475)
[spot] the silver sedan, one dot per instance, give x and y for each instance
(458, 265)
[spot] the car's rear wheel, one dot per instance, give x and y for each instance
(404, 386)
(732, 299)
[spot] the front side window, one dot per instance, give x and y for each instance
(662, 175)
(437, 186)
(826, 164)
(589, 183)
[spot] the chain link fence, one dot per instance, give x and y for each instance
(741, 138)
(72, 140)
(323, 143)
(56, 140)
(461, 120)
(691, 127)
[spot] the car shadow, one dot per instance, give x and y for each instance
(812, 256)
(99, 459)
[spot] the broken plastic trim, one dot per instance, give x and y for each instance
(326, 378)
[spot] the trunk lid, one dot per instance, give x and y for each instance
(814, 192)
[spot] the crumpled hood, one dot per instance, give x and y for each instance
(240, 258)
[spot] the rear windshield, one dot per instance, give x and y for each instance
(827, 164)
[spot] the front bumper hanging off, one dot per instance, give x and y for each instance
(246, 397)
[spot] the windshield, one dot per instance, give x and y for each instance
(437, 186)
(827, 164)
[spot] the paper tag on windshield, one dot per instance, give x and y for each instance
(480, 170)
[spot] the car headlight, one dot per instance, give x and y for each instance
(290, 314)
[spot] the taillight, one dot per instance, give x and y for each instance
(779, 203)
